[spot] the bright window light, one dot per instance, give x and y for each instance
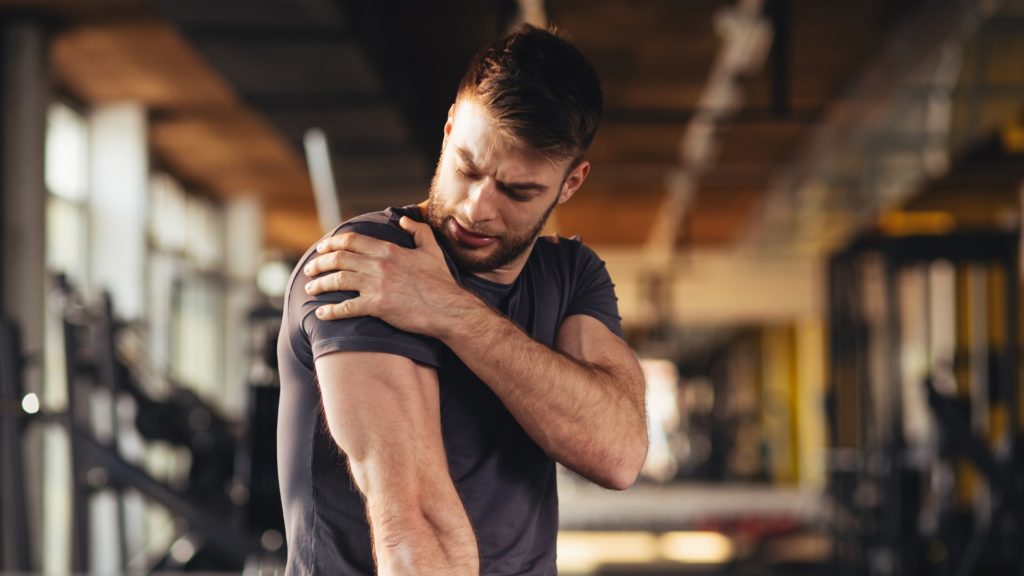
(663, 414)
(168, 213)
(696, 547)
(272, 278)
(67, 153)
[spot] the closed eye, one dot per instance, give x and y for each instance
(516, 196)
(513, 193)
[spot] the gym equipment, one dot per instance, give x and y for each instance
(258, 463)
(213, 530)
(925, 467)
(14, 542)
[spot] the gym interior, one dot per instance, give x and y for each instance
(811, 210)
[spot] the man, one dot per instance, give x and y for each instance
(436, 360)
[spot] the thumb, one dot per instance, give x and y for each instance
(421, 232)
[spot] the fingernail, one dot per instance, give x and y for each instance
(321, 312)
(308, 269)
(320, 247)
(309, 286)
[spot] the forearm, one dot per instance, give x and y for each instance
(587, 417)
(383, 412)
(423, 539)
(417, 520)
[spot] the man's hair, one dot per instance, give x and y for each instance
(539, 89)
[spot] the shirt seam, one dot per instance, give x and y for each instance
(368, 339)
(604, 318)
(302, 322)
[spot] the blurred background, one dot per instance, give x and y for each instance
(811, 210)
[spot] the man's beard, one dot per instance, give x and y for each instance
(508, 247)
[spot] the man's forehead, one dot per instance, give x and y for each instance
(509, 164)
(478, 140)
(477, 132)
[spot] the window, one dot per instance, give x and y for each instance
(67, 183)
(66, 172)
(186, 287)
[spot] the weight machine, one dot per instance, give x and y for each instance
(925, 464)
(227, 514)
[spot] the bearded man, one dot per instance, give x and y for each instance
(438, 359)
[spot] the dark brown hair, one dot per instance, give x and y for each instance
(539, 89)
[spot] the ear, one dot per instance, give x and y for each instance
(448, 122)
(574, 181)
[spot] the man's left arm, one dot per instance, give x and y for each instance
(581, 402)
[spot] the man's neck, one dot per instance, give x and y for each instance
(507, 274)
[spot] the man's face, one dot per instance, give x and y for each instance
(489, 199)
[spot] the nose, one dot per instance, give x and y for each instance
(480, 204)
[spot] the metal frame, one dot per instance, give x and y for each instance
(882, 537)
(14, 540)
(233, 544)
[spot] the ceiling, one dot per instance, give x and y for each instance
(233, 85)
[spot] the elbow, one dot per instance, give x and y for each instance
(619, 480)
(630, 454)
(624, 470)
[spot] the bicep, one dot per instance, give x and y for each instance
(589, 340)
(383, 411)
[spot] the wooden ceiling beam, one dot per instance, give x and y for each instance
(251, 12)
(245, 33)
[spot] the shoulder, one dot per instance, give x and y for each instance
(567, 254)
(382, 225)
(577, 267)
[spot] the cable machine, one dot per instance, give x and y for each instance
(210, 511)
(226, 514)
(924, 406)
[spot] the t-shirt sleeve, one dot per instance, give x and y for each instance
(594, 292)
(365, 333)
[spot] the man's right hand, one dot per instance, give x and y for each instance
(409, 288)
(383, 411)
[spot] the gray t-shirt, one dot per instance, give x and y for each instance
(506, 482)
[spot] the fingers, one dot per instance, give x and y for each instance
(353, 242)
(347, 309)
(334, 282)
(341, 252)
(421, 232)
(332, 261)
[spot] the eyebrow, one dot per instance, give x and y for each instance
(516, 186)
